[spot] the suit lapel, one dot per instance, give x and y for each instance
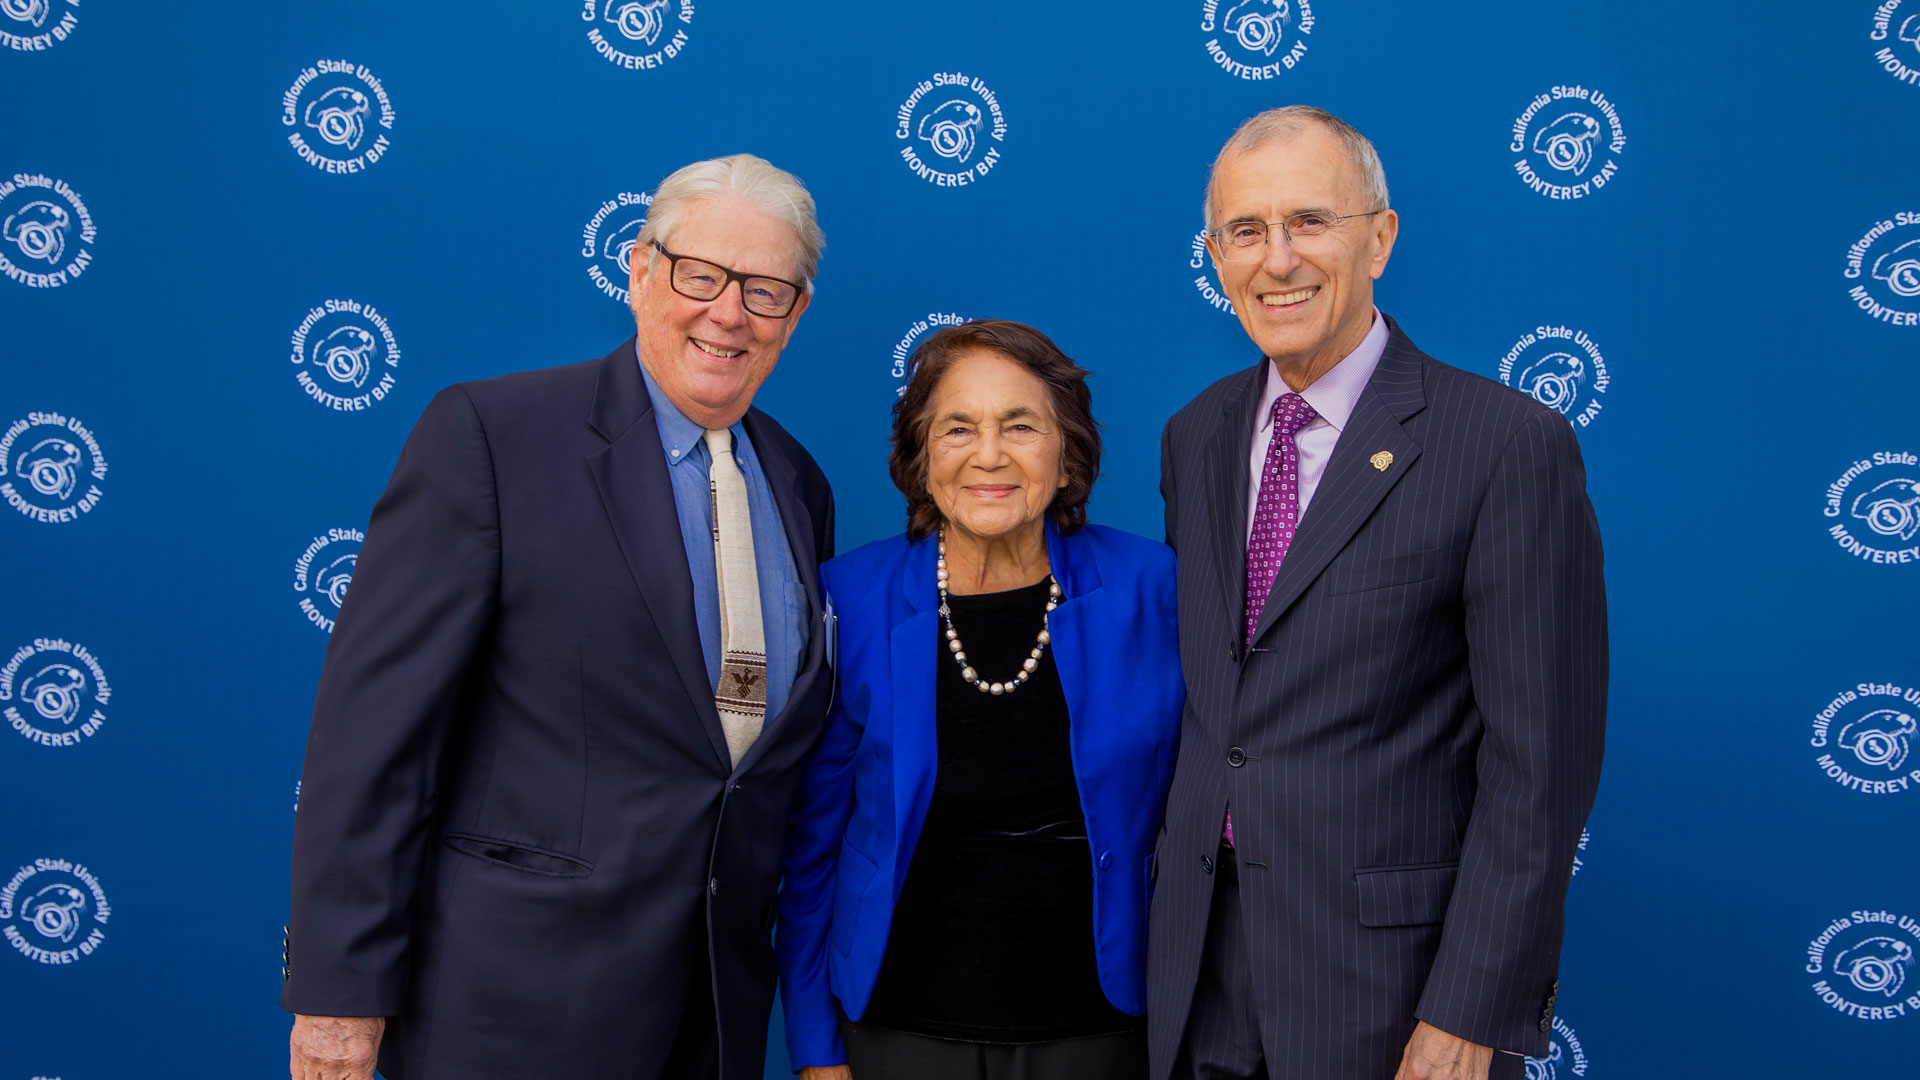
(1353, 486)
(1227, 477)
(916, 747)
(1072, 627)
(631, 475)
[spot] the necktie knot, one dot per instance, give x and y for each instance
(719, 441)
(1291, 413)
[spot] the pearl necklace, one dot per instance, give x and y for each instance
(959, 651)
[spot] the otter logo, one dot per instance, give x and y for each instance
(639, 40)
(607, 241)
(952, 128)
(1865, 960)
(339, 116)
(54, 911)
(39, 230)
(1866, 736)
(638, 21)
(905, 363)
(949, 129)
(1256, 39)
(323, 573)
(1875, 508)
(46, 232)
(50, 467)
(332, 108)
(54, 692)
(337, 350)
(1565, 1057)
(30, 25)
(1896, 39)
(1560, 368)
(1884, 269)
(1568, 141)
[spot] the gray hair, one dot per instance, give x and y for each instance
(766, 187)
(1277, 125)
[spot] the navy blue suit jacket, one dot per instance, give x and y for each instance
(1114, 643)
(519, 824)
(1419, 720)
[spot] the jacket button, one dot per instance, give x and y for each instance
(713, 886)
(1106, 859)
(1236, 757)
(1206, 863)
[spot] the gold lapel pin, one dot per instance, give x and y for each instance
(1382, 459)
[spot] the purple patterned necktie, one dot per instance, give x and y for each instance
(1275, 516)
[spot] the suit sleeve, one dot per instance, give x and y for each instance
(417, 612)
(814, 834)
(1536, 627)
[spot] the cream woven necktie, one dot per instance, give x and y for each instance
(742, 696)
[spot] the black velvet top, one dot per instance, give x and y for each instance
(992, 940)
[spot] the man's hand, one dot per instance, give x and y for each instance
(826, 1072)
(1433, 1054)
(335, 1047)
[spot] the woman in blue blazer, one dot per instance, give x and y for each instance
(971, 853)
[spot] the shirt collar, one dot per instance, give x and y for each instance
(680, 437)
(1335, 394)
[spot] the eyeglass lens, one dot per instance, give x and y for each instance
(699, 280)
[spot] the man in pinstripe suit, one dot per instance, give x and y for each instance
(1393, 630)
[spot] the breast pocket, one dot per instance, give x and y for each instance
(1348, 576)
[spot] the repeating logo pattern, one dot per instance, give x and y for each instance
(1569, 141)
(1256, 39)
(1875, 508)
(46, 231)
(1560, 368)
(901, 371)
(637, 34)
(1203, 282)
(1884, 266)
(50, 467)
(344, 355)
(1579, 858)
(1865, 964)
(951, 128)
(1896, 37)
(1564, 1057)
(54, 692)
(35, 25)
(340, 116)
(1867, 736)
(607, 242)
(54, 911)
(322, 573)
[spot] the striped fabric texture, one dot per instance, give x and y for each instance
(1410, 740)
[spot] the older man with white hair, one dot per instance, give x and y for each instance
(1393, 628)
(569, 695)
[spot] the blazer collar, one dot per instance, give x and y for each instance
(1071, 564)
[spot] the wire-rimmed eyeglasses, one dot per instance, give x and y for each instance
(698, 279)
(1246, 241)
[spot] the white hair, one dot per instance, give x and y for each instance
(1277, 125)
(766, 187)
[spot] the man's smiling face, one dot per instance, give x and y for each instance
(710, 356)
(1309, 303)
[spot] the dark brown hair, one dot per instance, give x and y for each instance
(1067, 393)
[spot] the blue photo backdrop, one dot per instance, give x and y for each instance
(242, 244)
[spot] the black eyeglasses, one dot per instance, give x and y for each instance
(698, 279)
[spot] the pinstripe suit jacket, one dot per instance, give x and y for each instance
(1419, 721)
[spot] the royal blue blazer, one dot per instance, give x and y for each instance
(864, 798)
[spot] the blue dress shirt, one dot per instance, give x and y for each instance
(783, 599)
